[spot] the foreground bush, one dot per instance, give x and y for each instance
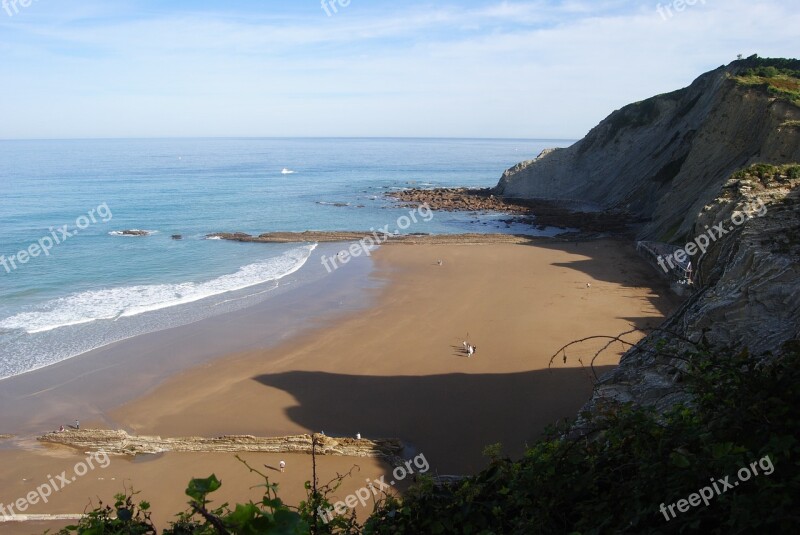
(628, 465)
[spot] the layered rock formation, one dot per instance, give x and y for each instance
(684, 163)
(348, 236)
(121, 443)
(748, 290)
(665, 158)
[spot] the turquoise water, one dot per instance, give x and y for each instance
(97, 286)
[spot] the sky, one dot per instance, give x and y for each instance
(363, 68)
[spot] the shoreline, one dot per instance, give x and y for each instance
(391, 367)
(384, 355)
(89, 385)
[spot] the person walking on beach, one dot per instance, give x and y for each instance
(282, 464)
(77, 425)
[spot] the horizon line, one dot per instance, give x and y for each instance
(164, 138)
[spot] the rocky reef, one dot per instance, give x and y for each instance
(540, 213)
(388, 239)
(121, 443)
(136, 233)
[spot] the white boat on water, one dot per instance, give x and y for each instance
(286, 171)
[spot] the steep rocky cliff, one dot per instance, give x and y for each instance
(747, 289)
(687, 165)
(665, 158)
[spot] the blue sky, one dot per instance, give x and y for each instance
(538, 69)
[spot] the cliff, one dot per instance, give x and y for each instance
(747, 295)
(665, 158)
(714, 163)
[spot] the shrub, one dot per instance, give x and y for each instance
(612, 478)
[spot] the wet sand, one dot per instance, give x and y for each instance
(162, 480)
(397, 368)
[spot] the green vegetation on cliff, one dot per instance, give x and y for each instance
(779, 76)
(768, 175)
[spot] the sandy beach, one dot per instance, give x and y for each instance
(396, 369)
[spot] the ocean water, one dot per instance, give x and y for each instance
(84, 284)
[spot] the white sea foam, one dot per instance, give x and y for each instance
(126, 301)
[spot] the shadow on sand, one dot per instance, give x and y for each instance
(450, 418)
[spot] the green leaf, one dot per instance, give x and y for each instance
(199, 488)
(679, 459)
(721, 450)
(243, 514)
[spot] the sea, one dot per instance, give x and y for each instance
(72, 279)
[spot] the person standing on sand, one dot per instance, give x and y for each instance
(77, 425)
(282, 464)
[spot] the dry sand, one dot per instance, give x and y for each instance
(398, 369)
(162, 480)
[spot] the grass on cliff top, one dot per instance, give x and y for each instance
(780, 82)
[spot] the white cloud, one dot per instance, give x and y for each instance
(514, 69)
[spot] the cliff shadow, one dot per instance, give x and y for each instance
(620, 265)
(450, 418)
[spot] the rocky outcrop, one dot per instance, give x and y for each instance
(121, 443)
(748, 294)
(347, 236)
(665, 158)
(457, 199)
(297, 237)
(39, 518)
(136, 233)
(684, 164)
(535, 212)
